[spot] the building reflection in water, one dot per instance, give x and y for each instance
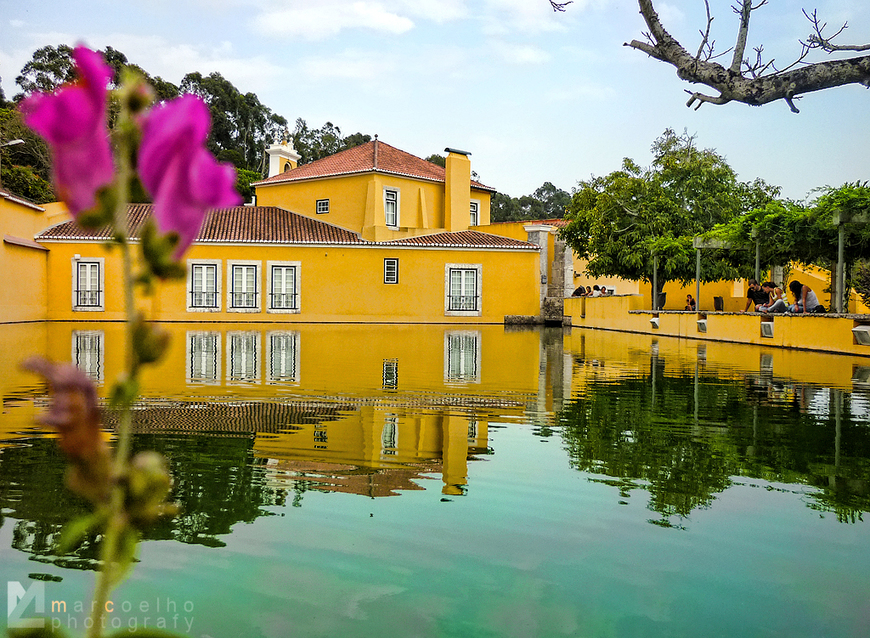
(326, 437)
(462, 356)
(243, 357)
(282, 357)
(203, 357)
(88, 352)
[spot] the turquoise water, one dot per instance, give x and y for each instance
(641, 490)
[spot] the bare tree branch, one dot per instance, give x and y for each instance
(753, 83)
(817, 39)
(705, 36)
(560, 6)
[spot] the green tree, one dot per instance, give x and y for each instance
(241, 125)
(504, 208)
(626, 221)
(554, 201)
(26, 168)
(805, 233)
(48, 69)
(315, 144)
(438, 160)
(547, 202)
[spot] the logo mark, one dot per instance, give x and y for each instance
(17, 601)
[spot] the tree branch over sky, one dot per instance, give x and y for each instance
(749, 79)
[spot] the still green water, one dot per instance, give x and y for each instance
(427, 481)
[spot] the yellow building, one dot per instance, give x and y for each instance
(371, 234)
(22, 260)
(378, 191)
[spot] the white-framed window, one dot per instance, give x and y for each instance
(462, 294)
(88, 352)
(243, 289)
(391, 207)
(474, 213)
(391, 374)
(322, 206)
(243, 356)
(203, 357)
(203, 285)
(462, 356)
(87, 284)
(283, 282)
(391, 270)
(282, 357)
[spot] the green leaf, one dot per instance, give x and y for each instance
(124, 394)
(74, 531)
(125, 556)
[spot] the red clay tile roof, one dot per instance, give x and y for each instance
(362, 159)
(241, 224)
(273, 225)
(462, 239)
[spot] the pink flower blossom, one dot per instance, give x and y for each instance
(180, 174)
(73, 122)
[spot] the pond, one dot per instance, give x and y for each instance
(383, 480)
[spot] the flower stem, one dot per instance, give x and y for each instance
(107, 576)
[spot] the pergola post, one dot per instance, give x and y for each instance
(841, 218)
(841, 267)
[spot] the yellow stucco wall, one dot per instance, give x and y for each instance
(23, 268)
(356, 202)
(336, 284)
(826, 333)
(634, 351)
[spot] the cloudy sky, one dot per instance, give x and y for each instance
(534, 95)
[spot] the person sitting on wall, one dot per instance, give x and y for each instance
(776, 298)
(690, 303)
(604, 292)
(588, 291)
(596, 291)
(755, 296)
(805, 299)
(580, 291)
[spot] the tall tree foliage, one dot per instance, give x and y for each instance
(241, 125)
(547, 202)
(805, 233)
(625, 221)
(316, 143)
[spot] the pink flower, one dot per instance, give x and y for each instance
(180, 174)
(73, 122)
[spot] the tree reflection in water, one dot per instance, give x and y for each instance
(684, 439)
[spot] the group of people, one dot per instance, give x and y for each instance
(591, 291)
(768, 297)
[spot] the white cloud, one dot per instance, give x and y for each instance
(580, 93)
(671, 15)
(328, 18)
(348, 65)
(438, 11)
(521, 53)
(524, 16)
